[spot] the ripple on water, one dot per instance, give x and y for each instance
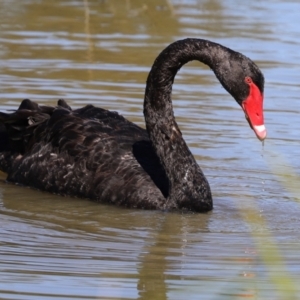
(53, 247)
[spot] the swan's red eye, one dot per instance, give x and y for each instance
(248, 80)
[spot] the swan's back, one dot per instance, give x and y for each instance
(88, 152)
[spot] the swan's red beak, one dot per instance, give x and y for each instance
(253, 109)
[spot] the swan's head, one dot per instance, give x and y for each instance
(245, 82)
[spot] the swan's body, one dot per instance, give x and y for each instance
(97, 154)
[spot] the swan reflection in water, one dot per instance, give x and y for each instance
(98, 154)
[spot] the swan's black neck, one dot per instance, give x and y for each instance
(188, 187)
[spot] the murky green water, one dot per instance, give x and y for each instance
(100, 52)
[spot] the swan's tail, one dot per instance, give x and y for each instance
(17, 128)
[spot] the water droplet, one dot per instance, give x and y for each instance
(262, 156)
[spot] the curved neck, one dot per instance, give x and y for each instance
(167, 64)
(188, 187)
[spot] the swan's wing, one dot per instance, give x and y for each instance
(32, 124)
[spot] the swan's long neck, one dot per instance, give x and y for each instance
(188, 187)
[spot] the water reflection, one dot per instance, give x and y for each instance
(52, 234)
(100, 52)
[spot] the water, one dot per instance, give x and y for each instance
(100, 52)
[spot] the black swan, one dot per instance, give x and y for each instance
(98, 154)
